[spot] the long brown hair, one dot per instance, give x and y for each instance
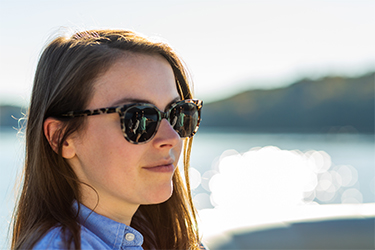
(63, 82)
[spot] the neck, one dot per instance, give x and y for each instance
(118, 211)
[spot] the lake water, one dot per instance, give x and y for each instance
(249, 169)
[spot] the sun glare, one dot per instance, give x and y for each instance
(269, 176)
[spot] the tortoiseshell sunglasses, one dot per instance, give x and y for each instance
(140, 121)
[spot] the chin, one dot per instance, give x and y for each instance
(161, 196)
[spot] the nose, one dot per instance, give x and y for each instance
(166, 136)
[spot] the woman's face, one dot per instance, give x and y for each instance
(126, 175)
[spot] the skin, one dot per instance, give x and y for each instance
(125, 175)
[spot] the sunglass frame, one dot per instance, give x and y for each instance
(121, 110)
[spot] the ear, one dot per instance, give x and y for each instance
(52, 131)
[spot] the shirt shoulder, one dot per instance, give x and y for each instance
(54, 239)
(96, 232)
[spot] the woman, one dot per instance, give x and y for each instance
(93, 179)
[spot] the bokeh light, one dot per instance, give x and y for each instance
(269, 176)
(267, 184)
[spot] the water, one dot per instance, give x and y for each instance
(343, 167)
(353, 150)
(11, 159)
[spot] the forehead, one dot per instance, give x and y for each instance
(135, 76)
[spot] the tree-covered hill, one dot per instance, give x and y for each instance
(328, 104)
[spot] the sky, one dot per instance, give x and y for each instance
(229, 46)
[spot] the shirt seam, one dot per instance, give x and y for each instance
(117, 235)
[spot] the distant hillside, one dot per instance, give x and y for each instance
(328, 104)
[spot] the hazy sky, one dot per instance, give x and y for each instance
(228, 46)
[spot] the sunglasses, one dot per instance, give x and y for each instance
(140, 121)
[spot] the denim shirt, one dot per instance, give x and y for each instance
(97, 232)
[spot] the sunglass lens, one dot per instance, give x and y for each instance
(140, 123)
(184, 119)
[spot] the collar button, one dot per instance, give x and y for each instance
(129, 237)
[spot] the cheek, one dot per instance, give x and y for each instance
(108, 163)
(102, 145)
(99, 138)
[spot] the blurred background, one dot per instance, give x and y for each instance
(288, 89)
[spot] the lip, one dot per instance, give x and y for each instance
(161, 167)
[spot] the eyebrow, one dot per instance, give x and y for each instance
(128, 100)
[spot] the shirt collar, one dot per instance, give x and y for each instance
(113, 233)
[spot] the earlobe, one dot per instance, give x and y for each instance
(52, 132)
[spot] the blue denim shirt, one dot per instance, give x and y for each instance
(97, 232)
